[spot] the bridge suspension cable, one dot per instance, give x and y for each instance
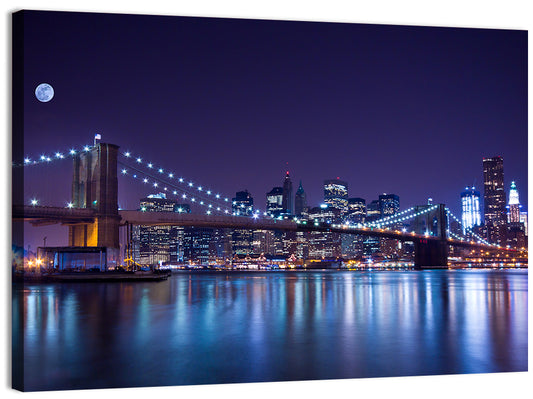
(190, 191)
(47, 158)
(181, 192)
(467, 229)
(386, 220)
(400, 217)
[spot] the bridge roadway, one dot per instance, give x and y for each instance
(43, 215)
(242, 222)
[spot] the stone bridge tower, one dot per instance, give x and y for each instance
(431, 254)
(95, 186)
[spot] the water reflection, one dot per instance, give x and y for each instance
(214, 327)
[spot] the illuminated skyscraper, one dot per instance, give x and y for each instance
(356, 212)
(494, 193)
(389, 204)
(372, 211)
(336, 194)
(516, 228)
(242, 240)
(243, 204)
(352, 245)
(274, 202)
(514, 205)
(494, 199)
(371, 244)
(324, 244)
(300, 201)
(471, 213)
(288, 199)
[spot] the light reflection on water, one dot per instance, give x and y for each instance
(210, 327)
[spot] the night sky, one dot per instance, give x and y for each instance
(232, 104)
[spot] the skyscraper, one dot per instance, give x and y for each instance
(241, 239)
(324, 244)
(352, 245)
(274, 202)
(371, 244)
(336, 194)
(471, 213)
(516, 229)
(288, 202)
(243, 204)
(389, 204)
(373, 212)
(356, 212)
(494, 199)
(514, 204)
(300, 201)
(494, 193)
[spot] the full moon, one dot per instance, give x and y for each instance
(44, 92)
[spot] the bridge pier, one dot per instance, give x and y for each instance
(431, 254)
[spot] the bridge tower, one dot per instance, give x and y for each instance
(95, 186)
(431, 253)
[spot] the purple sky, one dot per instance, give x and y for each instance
(227, 103)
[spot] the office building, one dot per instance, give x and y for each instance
(243, 204)
(514, 205)
(494, 200)
(352, 245)
(241, 239)
(324, 245)
(389, 204)
(373, 211)
(516, 228)
(356, 211)
(274, 202)
(470, 208)
(300, 201)
(336, 194)
(288, 199)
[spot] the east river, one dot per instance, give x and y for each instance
(215, 327)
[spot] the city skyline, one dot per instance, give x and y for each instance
(389, 109)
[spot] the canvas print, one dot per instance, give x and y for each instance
(215, 200)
